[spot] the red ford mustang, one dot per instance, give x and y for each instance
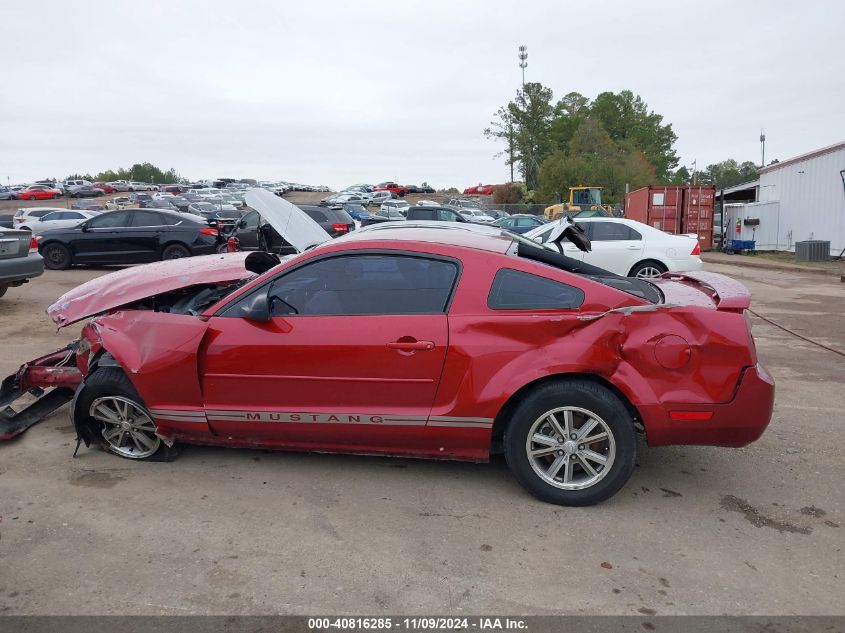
(441, 342)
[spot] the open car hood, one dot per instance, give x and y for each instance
(291, 222)
(140, 282)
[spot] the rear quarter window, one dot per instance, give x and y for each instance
(515, 290)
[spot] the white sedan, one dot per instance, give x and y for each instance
(476, 215)
(629, 248)
(59, 219)
(395, 205)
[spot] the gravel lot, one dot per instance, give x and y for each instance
(696, 531)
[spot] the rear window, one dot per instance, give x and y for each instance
(515, 290)
(316, 215)
(638, 287)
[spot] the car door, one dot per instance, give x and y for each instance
(102, 239)
(615, 246)
(351, 356)
(145, 236)
(62, 220)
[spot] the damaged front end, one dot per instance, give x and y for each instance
(41, 386)
(37, 389)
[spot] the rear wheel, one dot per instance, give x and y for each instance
(56, 256)
(113, 413)
(175, 251)
(648, 269)
(571, 443)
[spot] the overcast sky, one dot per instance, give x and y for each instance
(345, 92)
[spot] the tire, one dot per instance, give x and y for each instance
(175, 251)
(578, 406)
(648, 269)
(113, 414)
(56, 256)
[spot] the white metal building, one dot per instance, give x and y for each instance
(802, 198)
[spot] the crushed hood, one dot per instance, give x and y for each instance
(291, 222)
(140, 282)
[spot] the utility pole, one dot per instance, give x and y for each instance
(694, 175)
(523, 62)
(762, 147)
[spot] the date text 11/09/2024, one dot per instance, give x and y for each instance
(417, 623)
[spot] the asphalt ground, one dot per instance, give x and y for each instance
(697, 530)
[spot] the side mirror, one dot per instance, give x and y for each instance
(84, 227)
(256, 308)
(242, 224)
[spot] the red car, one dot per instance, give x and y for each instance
(480, 190)
(104, 187)
(392, 187)
(420, 340)
(39, 192)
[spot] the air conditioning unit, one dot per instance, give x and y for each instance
(812, 251)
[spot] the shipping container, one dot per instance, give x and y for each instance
(675, 209)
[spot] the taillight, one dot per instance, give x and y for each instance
(749, 329)
(340, 228)
(210, 231)
(33, 244)
(697, 249)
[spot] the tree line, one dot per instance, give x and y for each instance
(139, 172)
(610, 141)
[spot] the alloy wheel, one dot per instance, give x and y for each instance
(649, 272)
(127, 427)
(570, 448)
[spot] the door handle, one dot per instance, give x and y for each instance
(633, 248)
(411, 346)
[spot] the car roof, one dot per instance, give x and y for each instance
(448, 233)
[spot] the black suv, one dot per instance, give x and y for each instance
(255, 234)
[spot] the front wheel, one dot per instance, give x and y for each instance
(56, 256)
(571, 443)
(110, 411)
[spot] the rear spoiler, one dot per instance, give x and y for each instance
(725, 292)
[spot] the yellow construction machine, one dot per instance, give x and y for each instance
(582, 200)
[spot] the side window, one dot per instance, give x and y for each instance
(251, 220)
(109, 220)
(56, 215)
(146, 218)
(508, 223)
(610, 232)
(422, 213)
(365, 284)
(514, 290)
(72, 215)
